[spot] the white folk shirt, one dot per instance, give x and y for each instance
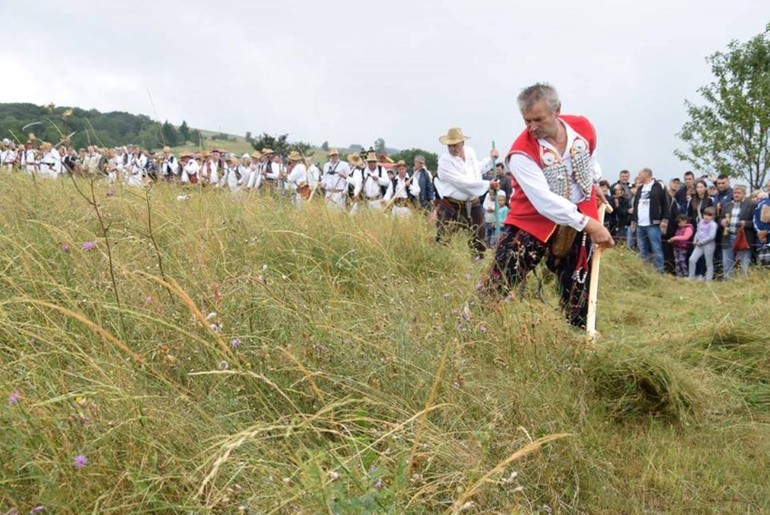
(253, 175)
(414, 189)
(191, 169)
(335, 177)
(30, 160)
(298, 175)
(553, 206)
(370, 181)
(273, 172)
(313, 176)
(460, 179)
(170, 165)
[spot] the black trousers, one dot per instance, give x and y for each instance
(451, 216)
(518, 253)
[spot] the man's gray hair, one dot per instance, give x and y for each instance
(420, 158)
(541, 91)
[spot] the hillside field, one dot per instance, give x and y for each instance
(234, 354)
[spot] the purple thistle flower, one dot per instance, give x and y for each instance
(378, 484)
(37, 509)
(482, 329)
(234, 343)
(88, 245)
(13, 399)
(80, 461)
(65, 248)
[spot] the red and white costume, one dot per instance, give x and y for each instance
(538, 204)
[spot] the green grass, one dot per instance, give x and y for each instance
(358, 386)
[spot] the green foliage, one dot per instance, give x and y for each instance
(730, 133)
(184, 132)
(90, 127)
(431, 159)
(280, 144)
(171, 136)
(287, 362)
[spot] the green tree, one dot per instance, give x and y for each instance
(431, 159)
(171, 136)
(379, 146)
(729, 133)
(184, 132)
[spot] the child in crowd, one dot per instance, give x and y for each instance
(495, 217)
(680, 243)
(704, 243)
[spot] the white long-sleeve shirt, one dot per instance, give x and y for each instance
(370, 181)
(297, 176)
(530, 179)
(335, 177)
(460, 179)
(400, 191)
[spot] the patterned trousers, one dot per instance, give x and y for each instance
(518, 253)
(680, 258)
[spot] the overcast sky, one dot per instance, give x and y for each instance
(352, 71)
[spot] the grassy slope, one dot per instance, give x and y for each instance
(345, 324)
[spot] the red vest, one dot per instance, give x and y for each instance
(522, 213)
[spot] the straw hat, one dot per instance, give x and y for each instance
(267, 151)
(166, 149)
(294, 156)
(354, 159)
(371, 156)
(453, 136)
(334, 152)
(256, 155)
(399, 164)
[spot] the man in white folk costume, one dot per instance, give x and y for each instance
(49, 165)
(297, 178)
(271, 172)
(169, 168)
(313, 174)
(373, 179)
(403, 192)
(212, 168)
(233, 174)
(460, 187)
(191, 170)
(335, 180)
(252, 171)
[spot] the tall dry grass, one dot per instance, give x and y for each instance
(304, 361)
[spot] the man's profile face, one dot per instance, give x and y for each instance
(456, 148)
(540, 121)
(418, 164)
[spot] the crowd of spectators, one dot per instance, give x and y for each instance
(696, 228)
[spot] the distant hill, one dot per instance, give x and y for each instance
(50, 123)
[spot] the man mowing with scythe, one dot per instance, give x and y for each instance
(553, 209)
